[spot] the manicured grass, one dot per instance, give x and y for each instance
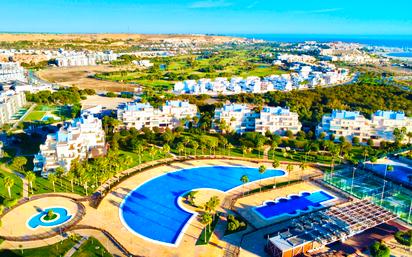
(16, 189)
(144, 158)
(58, 249)
(92, 248)
(34, 115)
(42, 185)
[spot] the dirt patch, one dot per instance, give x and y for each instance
(81, 77)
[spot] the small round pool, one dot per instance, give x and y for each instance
(59, 217)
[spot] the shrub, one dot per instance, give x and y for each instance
(378, 249)
(10, 202)
(404, 237)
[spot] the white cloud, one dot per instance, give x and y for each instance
(318, 11)
(210, 4)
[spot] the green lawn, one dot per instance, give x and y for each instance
(92, 248)
(58, 249)
(16, 190)
(42, 185)
(35, 115)
(178, 68)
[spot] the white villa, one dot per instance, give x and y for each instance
(81, 139)
(352, 124)
(304, 77)
(10, 71)
(277, 120)
(10, 103)
(236, 117)
(242, 118)
(138, 115)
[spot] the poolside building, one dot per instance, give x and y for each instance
(385, 122)
(139, 115)
(235, 117)
(312, 232)
(345, 124)
(277, 120)
(243, 118)
(350, 124)
(81, 139)
(10, 103)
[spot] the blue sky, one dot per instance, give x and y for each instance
(208, 16)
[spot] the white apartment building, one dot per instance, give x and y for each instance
(140, 115)
(10, 103)
(81, 139)
(352, 124)
(384, 123)
(237, 117)
(345, 123)
(67, 59)
(10, 71)
(296, 58)
(242, 118)
(277, 120)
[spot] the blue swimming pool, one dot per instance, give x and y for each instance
(38, 220)
(152, 210)
(293, 205)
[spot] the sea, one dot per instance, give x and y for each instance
(395, 41)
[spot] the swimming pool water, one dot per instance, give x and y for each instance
(152, 210)
(293, 204)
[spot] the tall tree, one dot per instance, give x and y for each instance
(31, 177)
(9, 183)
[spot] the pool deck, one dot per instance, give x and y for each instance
(106, 216)
(14, 223)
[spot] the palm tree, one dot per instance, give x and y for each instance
(70, 176)
(180, 148)
(206, 219)
(59, 173)
(203, 148)
(275, 165)
(213, 203)
(244, 179)
(244, 150)
(195, 146)
(166, 149)
(52, 178)
(289, 169)
(213, 145)
(274, 146)
(229, 148)
(262, 170)
(140, 150)
(302, 167)
(186, 141)
(9, 183)
(153, 152)
(31, 177)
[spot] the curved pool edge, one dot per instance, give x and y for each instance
(193, 213)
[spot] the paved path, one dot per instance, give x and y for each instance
(76, 247)
(23, 178)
